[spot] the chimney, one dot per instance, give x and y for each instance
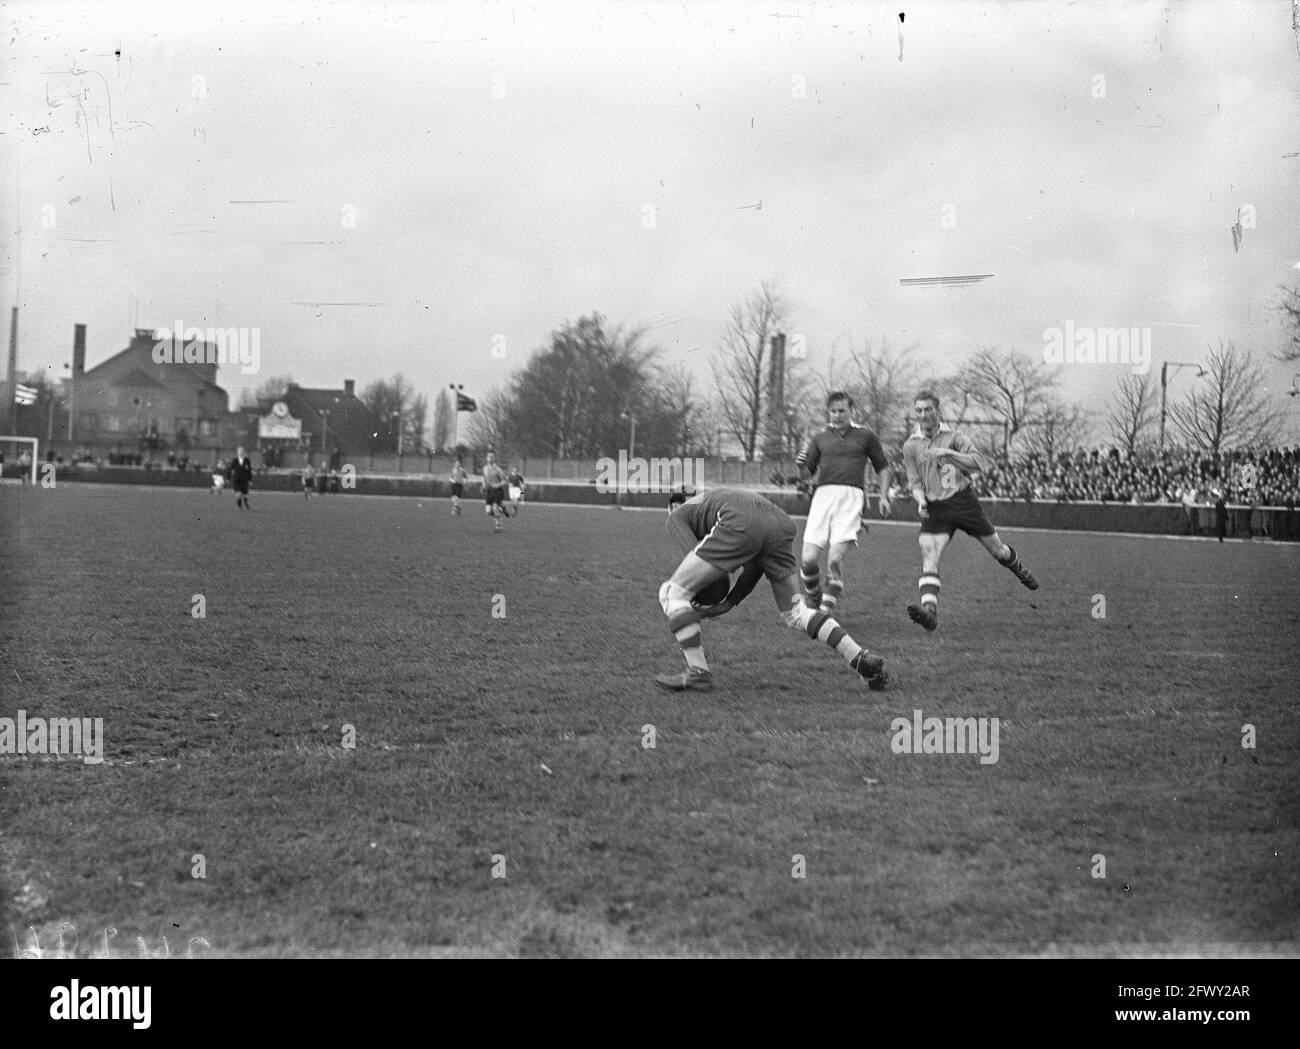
(78, 349)
(350, 387)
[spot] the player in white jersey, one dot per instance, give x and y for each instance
(458, 478)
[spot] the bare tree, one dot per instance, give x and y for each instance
(1012, 386)
(1227, 407)
(741, 361)
(1290, 308)
(490, 425)
(578, 397)
(675, 424)
(271, 388)
(882, 381)
(1132, 411)
(1058, 426)
(395, 404)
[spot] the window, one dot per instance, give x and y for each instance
(113, 423)
(207, 427)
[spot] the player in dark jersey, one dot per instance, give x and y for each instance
(240, 474)
(939, 462)
(725, 529)
(839, 456)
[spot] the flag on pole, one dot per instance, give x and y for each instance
(465, 404)
(25, 394)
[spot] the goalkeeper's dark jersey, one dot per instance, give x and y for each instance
(736, 509)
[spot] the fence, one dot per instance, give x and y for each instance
(1239, 522)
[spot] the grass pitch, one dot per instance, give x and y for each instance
(499, 688)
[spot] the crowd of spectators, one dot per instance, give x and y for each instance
(1244, 476)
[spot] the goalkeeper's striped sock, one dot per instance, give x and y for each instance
(810, 574)
(821, 626)
(684, 622)
(930, 591)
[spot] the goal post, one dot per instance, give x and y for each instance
(13, 448)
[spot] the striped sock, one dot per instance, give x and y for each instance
(1013, 564)
(831, 594)
(685, 625)
(930, 591)
(822, 627)
(810, 575)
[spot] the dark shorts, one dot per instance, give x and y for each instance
(495, 497)
(961, 511)
(457, 489)
(767, 539)
(241, 487)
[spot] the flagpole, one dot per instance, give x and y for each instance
(455, 444)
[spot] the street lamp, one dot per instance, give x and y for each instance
(397, 424)
(1164, 386)
(631, 451)
(325, 425)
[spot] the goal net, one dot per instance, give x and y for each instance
(18, 458)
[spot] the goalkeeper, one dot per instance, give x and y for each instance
(723, 530)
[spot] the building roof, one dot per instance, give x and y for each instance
(139, 377)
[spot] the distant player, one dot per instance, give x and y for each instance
(494, 490)
(725, 529)
(218, 477)
(308, 479)
(458, 478)
(839, 456)
(515, 489)
(939, 462)
(240, 475)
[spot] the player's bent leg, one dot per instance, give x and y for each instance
(1006, 555)
(834, 587)
(926, 613)
(692, 575)
(810, 573)
(822, 627)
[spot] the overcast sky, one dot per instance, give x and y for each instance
(501, 162)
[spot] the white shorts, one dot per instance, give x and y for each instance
(218, 481)
(516, 493)
(835, 515)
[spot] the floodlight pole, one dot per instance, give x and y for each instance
(455, 440)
